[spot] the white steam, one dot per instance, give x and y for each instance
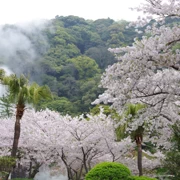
(44, 174)
(21, 46)
(12, 41)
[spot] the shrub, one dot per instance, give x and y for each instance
(141, 178)
(172, 162)
(6, 163)
(108, 171)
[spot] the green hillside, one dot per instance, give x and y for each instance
(69, 54)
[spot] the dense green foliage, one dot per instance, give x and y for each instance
(172, 161)
(6, 108)
(108, 171)
(6, 163)
(69, 54)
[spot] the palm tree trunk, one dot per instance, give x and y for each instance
(139, 154)
(17, 129)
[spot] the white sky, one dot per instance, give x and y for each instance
(18, 11)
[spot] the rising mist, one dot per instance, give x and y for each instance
(21, 46)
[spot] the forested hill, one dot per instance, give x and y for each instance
(69, 54)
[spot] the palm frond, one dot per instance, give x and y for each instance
(21, 92)
(132, 109)
(2, 74)
(38, 93)
(130, 113)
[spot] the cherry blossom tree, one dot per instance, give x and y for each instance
(148, 72)
(73, 144)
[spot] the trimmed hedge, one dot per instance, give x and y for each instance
(108, 171)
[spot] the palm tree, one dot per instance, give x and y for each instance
(21, 93)
(137, 135)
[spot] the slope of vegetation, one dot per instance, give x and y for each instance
(69, 54)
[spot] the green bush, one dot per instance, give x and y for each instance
(172, 162)
(108, 171)
(141, 178)
(6, 163)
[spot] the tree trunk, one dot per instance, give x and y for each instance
(33, 171)
(139, 154)
(68, 168)
(17, 129)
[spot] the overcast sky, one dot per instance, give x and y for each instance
(18, 11)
